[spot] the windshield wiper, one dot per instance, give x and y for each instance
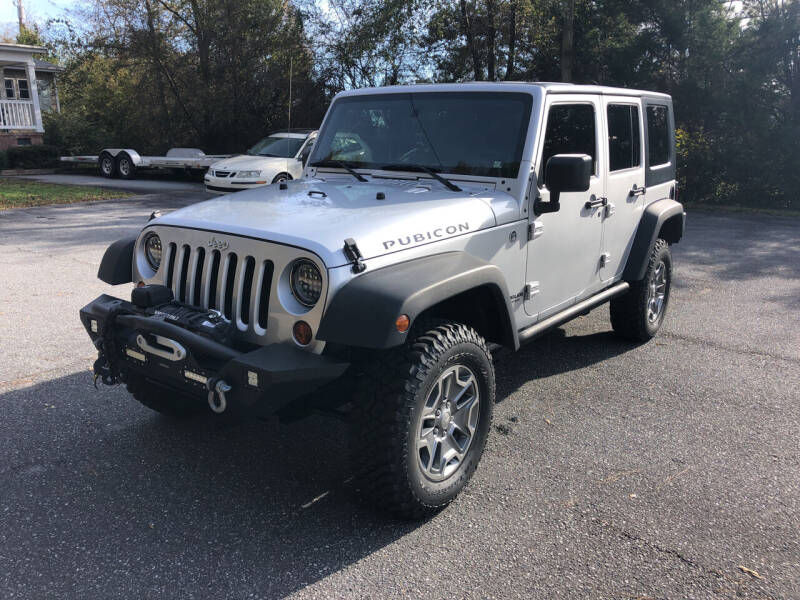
(341, 165)
(403, 167)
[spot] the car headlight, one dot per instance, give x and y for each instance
(306, 282)
(244, 174)
(152, 250)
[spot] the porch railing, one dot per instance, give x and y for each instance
(16, 114)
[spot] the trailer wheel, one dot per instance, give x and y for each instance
(125, 167)
(106, 165)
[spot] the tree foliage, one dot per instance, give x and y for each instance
(214, 73)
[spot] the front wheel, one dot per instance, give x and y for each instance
(422, 420)
(281, 177)
(107, 166)
(639, 313)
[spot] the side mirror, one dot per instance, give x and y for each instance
(564, 173)
(306, 153)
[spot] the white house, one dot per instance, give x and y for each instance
(28, 88)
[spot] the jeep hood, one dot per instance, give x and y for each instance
(319, 215)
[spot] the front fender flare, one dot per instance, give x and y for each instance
(117, 264)
(363, 312)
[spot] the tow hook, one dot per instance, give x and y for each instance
(216, 395)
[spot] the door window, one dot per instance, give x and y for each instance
(624, 141)
(657, 135)
(570, 130)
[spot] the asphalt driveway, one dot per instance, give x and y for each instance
(669, 470)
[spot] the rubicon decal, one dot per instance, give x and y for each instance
(418, 238)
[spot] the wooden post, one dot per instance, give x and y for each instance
(33, 90)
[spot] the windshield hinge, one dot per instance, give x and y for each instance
(353, 254)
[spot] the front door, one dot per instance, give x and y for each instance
(564, 249)
(625, 187)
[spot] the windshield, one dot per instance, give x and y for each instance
(277, 145)
(469, 133)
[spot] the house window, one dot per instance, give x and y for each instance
(25, 141)
(624, 144)
(24, 92)
(45, 95)
(9, 86)
(657, 135)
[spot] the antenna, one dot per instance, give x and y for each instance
(289, 128)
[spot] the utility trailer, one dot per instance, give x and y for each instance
(124, 162)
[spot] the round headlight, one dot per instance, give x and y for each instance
(152, 250)
(306, 282)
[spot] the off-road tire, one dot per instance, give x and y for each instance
(162, 399)
(629, 312)
(391, 393)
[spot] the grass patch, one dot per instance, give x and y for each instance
(16, 193)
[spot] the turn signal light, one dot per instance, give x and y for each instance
(402, 323)
(302, 333)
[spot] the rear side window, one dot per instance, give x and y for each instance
(624, 141)
(657, 135)
(570, 130)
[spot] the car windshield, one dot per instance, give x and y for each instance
(469, 133)
(277, 145)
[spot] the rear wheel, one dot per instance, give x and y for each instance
(162, 399)
(638, 315)
(106, 165)
(422, 420)
(125, 167)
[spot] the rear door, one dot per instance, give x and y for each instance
(625, 181)
(564, 252)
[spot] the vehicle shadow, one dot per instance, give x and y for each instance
(102, 495)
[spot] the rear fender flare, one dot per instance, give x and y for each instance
(662, 218)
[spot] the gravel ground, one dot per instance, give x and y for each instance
(614, 471)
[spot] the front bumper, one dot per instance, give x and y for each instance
(231, 184)
(262, 381)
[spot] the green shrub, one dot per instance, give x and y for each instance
(32, 157)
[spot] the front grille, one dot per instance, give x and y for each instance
(224, 173)
(236, 285)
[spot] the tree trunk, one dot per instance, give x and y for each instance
(477, 67)
(567, 50)
(491, 34)
(512, 41)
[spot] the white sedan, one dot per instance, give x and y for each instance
(278, 157)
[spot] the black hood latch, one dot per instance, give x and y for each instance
(353, 254)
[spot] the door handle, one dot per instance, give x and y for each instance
(595, 202)
(638, 191)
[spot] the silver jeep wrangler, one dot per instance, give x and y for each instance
(433, 224)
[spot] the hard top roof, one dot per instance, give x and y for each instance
(551, 87)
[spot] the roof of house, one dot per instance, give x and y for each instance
(43, 65)
(23, 48)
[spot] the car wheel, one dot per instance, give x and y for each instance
(281, 177)
(639, 313)
(161, 399)
(106, 165)
(125, 167)
(422, 419)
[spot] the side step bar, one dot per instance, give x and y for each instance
(583, 307)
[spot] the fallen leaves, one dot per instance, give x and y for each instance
(751, 572)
